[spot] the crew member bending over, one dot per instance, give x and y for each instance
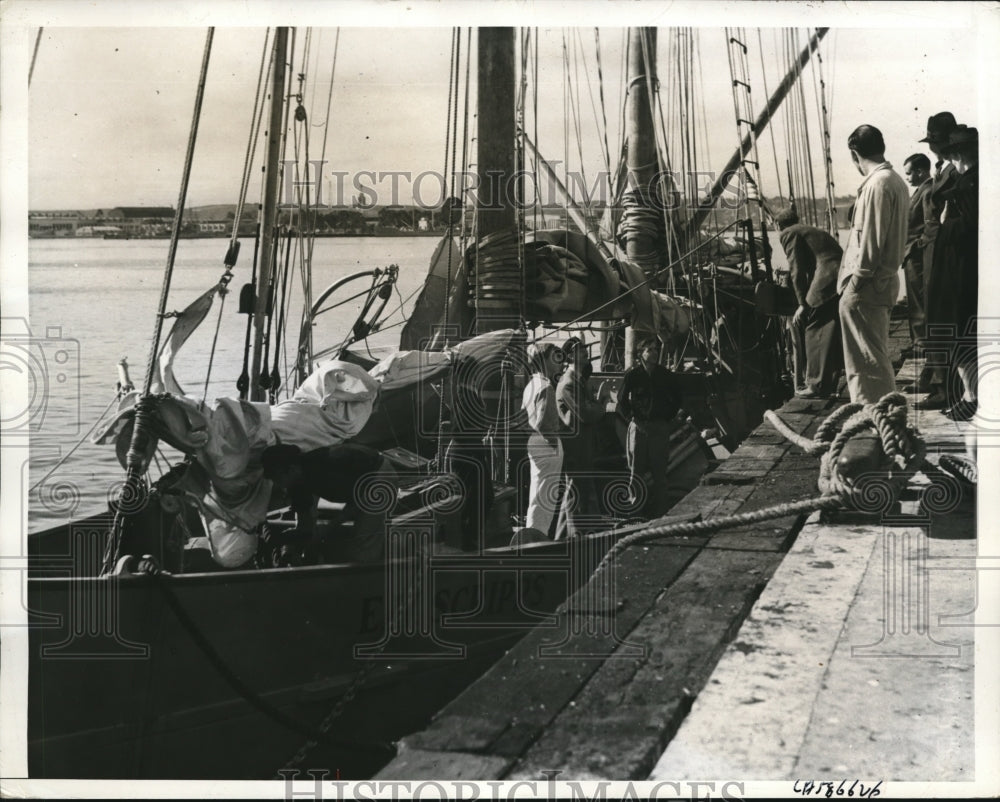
(348, 474)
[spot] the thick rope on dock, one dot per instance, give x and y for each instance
(959, 466)
(902, 445)
(688, 528)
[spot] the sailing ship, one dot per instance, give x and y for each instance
(149, 660)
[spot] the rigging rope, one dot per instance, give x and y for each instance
(117, 397)
(767, 93)
(827, 158)
(134, 487)
(34, 55)
(256, 117)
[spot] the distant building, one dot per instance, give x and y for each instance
(108, 232)
(54, 223)
(141, 221)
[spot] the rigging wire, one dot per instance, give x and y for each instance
(256, 117)
(117, 397)
(445, 203)
(770, 128)
(34, 55)
(831, 197)
(805, 129)
(181, 200)
(134, 485)
(600, 88)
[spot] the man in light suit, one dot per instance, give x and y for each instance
(869, 272)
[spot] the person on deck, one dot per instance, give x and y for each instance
(868, 281)
(578, 411)
(936, 373)
(649, 399)
(953, 306)
(917, 169)
(545, 452)
(347, 473)
(813, 262)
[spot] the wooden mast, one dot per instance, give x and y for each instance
(640, 160)
(498, 187)
(268, 218)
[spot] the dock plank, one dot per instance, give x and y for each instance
(511, 704)
(752, 719)
(618, 724)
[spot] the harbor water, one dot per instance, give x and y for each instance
(94, 301)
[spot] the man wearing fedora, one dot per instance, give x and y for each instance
(868, 280)
(939, 127)
(954, 289)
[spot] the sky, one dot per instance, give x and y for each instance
(110, 101)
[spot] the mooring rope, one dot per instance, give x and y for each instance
(901, 444)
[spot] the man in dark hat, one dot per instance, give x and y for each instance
(954, 291)
(869, 272)
(939, 127)
(813, 262)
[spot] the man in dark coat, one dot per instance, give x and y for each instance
(813, 261)
(650, 398)
(956, 269)
(917, 169)
(939, 128)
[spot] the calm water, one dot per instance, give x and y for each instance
(93, 302)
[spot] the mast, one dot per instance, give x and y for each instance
(640, 160)
(257, 393)
(496, 169)
(703, 210)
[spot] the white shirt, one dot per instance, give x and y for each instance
(877, 239)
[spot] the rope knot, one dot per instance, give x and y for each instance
(854, 475)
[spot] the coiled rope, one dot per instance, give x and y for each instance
(959, 466)
(902, 446)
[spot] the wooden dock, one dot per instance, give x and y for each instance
(742, 653)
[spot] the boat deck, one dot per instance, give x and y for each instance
(788, 649)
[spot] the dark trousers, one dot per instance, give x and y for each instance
(913, 270)
(818, 349)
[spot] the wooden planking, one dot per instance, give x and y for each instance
(617, 726)
(510, 705)
(751, 719)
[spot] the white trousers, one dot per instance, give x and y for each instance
(546, 466)
(864, 321)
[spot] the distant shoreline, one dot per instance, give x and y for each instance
(226, 235)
